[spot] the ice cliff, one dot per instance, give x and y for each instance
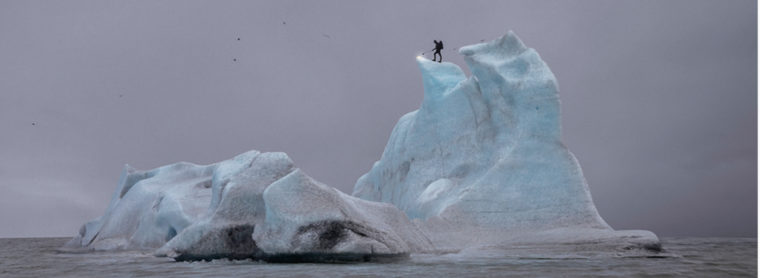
(481, 163)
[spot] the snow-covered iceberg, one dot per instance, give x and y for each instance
(479, 165)
(482, 162)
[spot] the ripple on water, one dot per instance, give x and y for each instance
(684, 257)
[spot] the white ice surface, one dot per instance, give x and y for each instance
(305, 216)
(149, 208)
(237, 207)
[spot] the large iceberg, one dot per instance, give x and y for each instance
(481, 161)
(479, 165)
(256, 205)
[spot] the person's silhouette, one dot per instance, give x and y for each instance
(437, 49)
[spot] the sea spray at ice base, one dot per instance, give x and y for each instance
(479, 164)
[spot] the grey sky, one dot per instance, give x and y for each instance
(659, 98)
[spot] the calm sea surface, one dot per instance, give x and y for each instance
(685, 257)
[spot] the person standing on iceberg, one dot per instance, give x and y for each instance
(437, 49)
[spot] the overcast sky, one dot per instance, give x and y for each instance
(659, 98)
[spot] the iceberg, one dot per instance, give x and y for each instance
(479, 165)
(481, 162)
(254, 206)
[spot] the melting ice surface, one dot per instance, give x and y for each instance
(480, 165)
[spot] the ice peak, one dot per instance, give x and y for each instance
(439, 78)
(507, 45)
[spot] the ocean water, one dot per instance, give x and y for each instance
(683, 257)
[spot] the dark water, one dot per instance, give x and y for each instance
(685, 257)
